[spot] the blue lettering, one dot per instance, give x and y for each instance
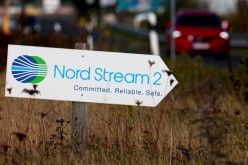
(77, 72)
(159, 77)
(62, 74)
(104, 72)
(142, 78)
(87, 74)
(99, 74)
(117, 76)
(132, 78)
(68, 74)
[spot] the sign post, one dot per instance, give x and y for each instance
(86, 76)
(79, 114)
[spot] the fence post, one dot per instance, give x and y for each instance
(79, 114)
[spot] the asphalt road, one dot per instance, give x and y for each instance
(238, 41)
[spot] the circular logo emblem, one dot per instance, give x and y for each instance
(29, 69)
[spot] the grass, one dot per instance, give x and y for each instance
(200, 122)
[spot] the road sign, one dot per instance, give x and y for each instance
(141, 5)
(87, 76)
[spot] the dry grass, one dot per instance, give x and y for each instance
(200, 122)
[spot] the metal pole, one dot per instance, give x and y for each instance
(172, 41)
(79, 114)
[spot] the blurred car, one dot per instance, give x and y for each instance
(199, 32)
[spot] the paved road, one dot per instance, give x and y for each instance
(239, 43)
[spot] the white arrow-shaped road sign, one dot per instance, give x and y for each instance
(87, 76)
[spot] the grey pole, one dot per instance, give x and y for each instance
(79, 115)
(172, 41)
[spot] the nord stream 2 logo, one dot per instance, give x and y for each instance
(29, 69)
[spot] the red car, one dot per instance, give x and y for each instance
(199, 32)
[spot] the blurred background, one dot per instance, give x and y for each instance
(110, 25)
(204, 120)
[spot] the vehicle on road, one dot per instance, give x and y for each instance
(199, 32)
